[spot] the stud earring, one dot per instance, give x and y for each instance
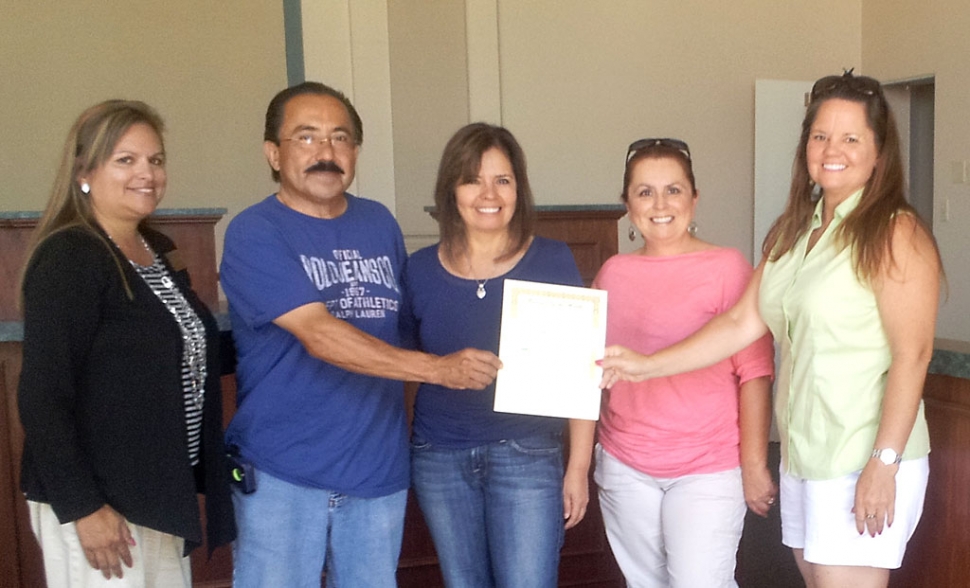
(86, 187)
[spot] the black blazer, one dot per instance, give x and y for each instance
(101, 397)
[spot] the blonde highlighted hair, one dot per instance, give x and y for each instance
(89, 144)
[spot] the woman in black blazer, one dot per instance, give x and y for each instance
(119, 394)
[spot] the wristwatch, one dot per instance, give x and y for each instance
(887, 455)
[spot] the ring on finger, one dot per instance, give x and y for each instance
(870, 516)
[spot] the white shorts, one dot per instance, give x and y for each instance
(816, 516)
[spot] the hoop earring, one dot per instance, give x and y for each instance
(816, 191)
(692, 228)
(632, 233)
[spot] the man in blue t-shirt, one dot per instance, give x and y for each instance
(312, 275)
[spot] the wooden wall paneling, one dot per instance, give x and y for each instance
(195, 236)
(589, 231)
(9, 564)
(418, 564)
(214, 572)
(586, 558)
(194, 233)
(21, 552)
(592, 235)
(14, 239)
(939, 551)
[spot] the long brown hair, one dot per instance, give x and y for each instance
(868, 229)
(460, 163)
(89, 144)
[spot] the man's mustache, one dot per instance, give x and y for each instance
(325, 166)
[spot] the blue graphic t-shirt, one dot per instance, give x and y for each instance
(299, 418)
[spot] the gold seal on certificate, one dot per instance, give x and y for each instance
(550, 340)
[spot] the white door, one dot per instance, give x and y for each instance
(778, 112)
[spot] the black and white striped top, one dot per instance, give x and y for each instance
(193, 348)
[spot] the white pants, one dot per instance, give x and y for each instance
(679, 532)
(157, 556)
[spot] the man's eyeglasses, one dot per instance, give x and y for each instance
(642, 144)
(862, 86)
(339, 140)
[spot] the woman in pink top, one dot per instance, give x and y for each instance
(679, 456)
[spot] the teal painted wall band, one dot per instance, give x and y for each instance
(293, 32)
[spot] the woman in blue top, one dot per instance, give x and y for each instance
(490, 484)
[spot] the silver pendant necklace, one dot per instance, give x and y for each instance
(480, 292)
(165, 280)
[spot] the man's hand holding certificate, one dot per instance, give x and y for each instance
(550, 340)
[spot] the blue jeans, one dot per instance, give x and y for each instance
(288, 533)
(495, 511)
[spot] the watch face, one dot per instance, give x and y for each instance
(887, 456)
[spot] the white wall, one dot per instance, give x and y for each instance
(581, 80)
(905, 39)
(576, 81)
(345, 45)
(209, 68)
(430, 100)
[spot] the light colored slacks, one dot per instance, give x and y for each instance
(677, 532)
(157, 556)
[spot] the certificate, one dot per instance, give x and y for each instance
(550, 340)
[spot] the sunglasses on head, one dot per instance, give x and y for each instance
(645, 143)
(862, 86)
